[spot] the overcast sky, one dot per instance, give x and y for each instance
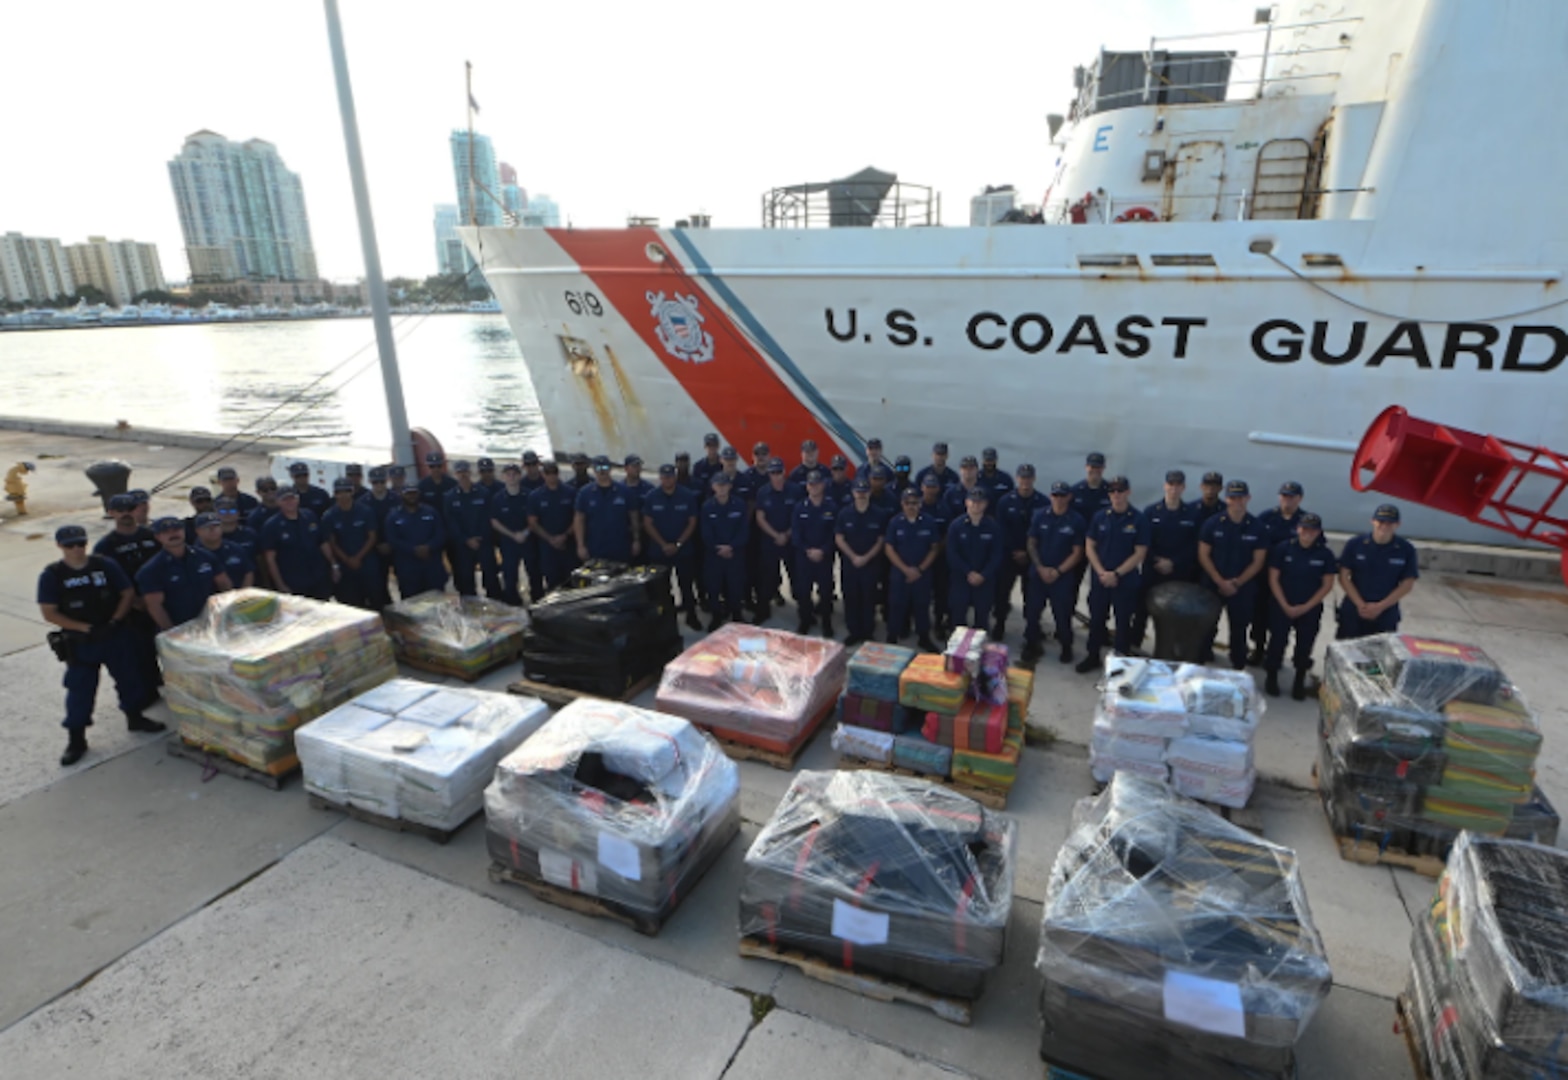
(612, 108)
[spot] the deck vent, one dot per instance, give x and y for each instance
(1108, 262)
(1318, 262)
(1182, 260)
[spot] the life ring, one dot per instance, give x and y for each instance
(424, 443)
(1136, 213)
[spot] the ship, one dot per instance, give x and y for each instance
(1252, 243)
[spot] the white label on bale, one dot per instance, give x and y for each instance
(1206, 1004)
(559, 868)
(859, 926)
(757, 644)
(620, 856)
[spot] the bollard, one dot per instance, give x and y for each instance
(1184, 616)
(112, 478)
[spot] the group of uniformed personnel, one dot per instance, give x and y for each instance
(930, 549)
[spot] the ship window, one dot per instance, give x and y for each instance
(1182, 260)
(1322, 260)
(1101, 262)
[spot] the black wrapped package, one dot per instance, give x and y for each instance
(1175, 944)
(612, 628)
(884, 874)
(1535, 821)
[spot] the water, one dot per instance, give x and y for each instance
(463, 378)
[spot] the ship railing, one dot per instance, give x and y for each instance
(851, 204)
(1101, 208)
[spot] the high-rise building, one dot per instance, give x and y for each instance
(541, 213)
(242, 212)
(34, 269)
(478, 198)
(120, 269)
(450, 257)
(515, 198)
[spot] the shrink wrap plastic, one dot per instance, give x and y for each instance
(1174, 944)
(749, 681)
(864, 743)
(927, 686)
(415, 751)
(616, 802)
(1488, 988)
(874, 669)
(1421, 739)
(610, 627)
(255, 665)
(880, 873)
(962, 654)
(468, 634)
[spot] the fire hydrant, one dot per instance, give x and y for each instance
(16, 485)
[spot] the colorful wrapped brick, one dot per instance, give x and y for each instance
(979, 725)
(464, 636)
(927, 686)
(874, 713)
(991, 682)
(874, 670)
(1020, 694)
(962, 655)
(864, 743)
(998, 770)
(916, 754)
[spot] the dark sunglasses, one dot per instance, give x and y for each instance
(74, 543)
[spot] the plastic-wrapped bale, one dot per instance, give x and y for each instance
(1431, 673)
(978, 725)
(1140, 697)
(918, 754)
(875, 713)
(1375, 730)
(762, 687)
(1020, 693)
(874, 669)
(255, 665)
(864, 743)
(995, 772)
(990, 682)
(1214, 770)
(927, 686)
(1535, 821)
(1175, 944)
(962, 654)
(883, 874)
(457, 635)
(1488, 990)
(414, 751)
(624, 804)
(1112, 751)
(605, 634)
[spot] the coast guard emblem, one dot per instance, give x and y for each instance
(680, 327)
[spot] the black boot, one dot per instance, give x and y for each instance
(1298, 689)
(764, 613)
(1033, 650)
(693, 620)
(1256, 658)
(1067, 654)
(715, 622)
(804, 625)
(75, 748)
(827, 626)
(1090, 662)
(1271, 683)
(999, 630)
(926, 644)
(138, 722)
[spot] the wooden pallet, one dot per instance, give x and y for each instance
(561, 695)
(1368, 853)
(1404, 1025)
(993, 798)
(370, 817)
(436, 667)
(215, 763)
(876, 987)
(582, 904)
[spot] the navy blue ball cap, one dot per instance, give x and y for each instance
(721, 479)
(121, 504)
(910, 495)
(289, 493)
(1290, 487)
(70, 534)
(1061, 487)
(1175, 476)
(729, 453)
(356, 469)
(485, 464)
(1214, 478)
(601, 463)
(666, 470)
(1118, 483)
(930, 480)
(1387, 512)
(988, 454)
(225, 502)
(299, 468)
(579, 458)
(551, 468)
(228, 473)
(1095, 460)
(263, 483)
(815, 476)
(840, 461)
(530, 458)
(977, 494)
(861, 484)
(1236, 489)
(343, 483)
(168, 524)
(378, 475)
(681, 455)
(632, 459)
(710, 439)
(513, 468)
(808, 446)
(462, 466)
(435, 457)
(396, 472)
(208, 518)
(1309, 520)
(969, 460)
(873, 443)
(939, 448)
(1027, 470)
(200, 493)
(760, 449)
(775, 466)
(140, 494)
(902, 463)
(881, 472)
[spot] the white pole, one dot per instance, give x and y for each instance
(381, 313)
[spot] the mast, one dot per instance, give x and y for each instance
(392, 380)
(473, 203)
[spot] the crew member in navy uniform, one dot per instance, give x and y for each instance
(487, 479)
(840, 490)
(1056, 541)
(636, 485)
(914, 545)
(295, 549)
(1376, 570)
(749, 482)
(201, 503)
(236, 532)
(808, 465)
(417, 536)
(1232, 551)
(955, 497)
(581, 476)
(533, 555)
(267, 490)
(229, 487)
(813, 533)
(775, 511)
(144, 506)
(88, 597)
(884, 504)
(551, 512)
(930, 489)
(703, 471)
(350, 530)
(509, 526)
(903, 477)
(669, 519)
(605, 524)
(177, 581)
(131, 547)
(874, 457)
(1208, 502)
(1090, 496)
(1115, 547)
(232, 558)
(1302, 571)
(974, 559)
(355, 474)
(945, 477)
(312, 498)
(683, 476)
(435, 484)
(1279, 525)
(381, 501)
(725, 527)
(468, 532)
(860, 534)
(995, 481)
(1173, 547)
(1016, 510)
